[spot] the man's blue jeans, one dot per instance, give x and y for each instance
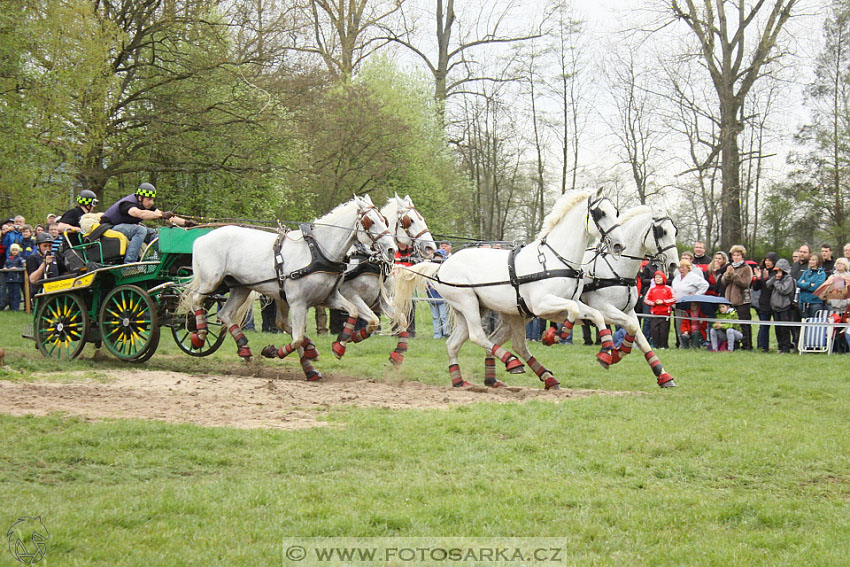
(138, 234)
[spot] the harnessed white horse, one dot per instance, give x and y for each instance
(610, 285)
(367, 281)
(543, 278)
(309, 261)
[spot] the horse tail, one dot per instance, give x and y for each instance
(385, 296)
(185, 303)
(408, 281)
(242, 311)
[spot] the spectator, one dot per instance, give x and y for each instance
(687, 255)
(39, 228)
(827, 262)
(783, 289)
(687, 282)
(660, 298)
(727, 330)
(53, 231)
(834, 289)
(645, 279)
(808, 282)
(439, 308)
(763, 273)
(27, 241)
(7, 226)
(13, 235)
(738, 279)
(14, 278)
(268, 312)
(42, 264)
(321, 320)
(693, 330)
(51, 218)
(847, 251)
(700, 259)
(795, 256)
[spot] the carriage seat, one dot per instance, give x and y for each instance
(113, 244)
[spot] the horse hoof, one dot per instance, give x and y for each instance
(667, 384)
(338, 349)
(605, 359)
(514, 366)
(244, 353)
(548, 338)
(314, 376)
(396, 358)
(269, 351)
(464, 384)
(551, 383)
(494, 383)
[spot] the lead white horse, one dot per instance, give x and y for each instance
(368, 284)
(244, 260)
(543, 278)
(611, 285)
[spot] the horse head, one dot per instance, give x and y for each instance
(664, 241)
(374, 232)
(412, 230)
(602, 223)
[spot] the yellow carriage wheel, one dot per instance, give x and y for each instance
(60, 326)
(129, 323)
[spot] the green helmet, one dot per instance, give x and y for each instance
(87, 197)
(146, 190)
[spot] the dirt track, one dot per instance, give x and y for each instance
(286, 402)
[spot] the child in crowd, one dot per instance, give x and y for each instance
(729, 331)
(14, 280)
(660, 299)
(693, 331)
(27, 241)
(784, 288)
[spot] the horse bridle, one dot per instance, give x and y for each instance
(406, 222)
(656, 234)
(594, 213)
(367, 223)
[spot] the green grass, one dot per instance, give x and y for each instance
(747, 462)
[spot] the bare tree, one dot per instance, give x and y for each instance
(722, 28)
(636, 129)
(455, 53)
(567, 88)
(345, 32)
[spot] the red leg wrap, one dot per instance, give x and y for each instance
(665, 378)
(628, 343)
(310, 350)
(197, 341)
(457, 379)
(654, 363)
(360, 335)
(200, 320)
(347, 330)
(551, 383)
(512, 363)
(338, 349)
(310, 371)
(396, 358)
(567, 329)
(538, 368)
(489, 369)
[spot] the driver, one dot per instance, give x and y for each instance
(127, 214)
(42, 264)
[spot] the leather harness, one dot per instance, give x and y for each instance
(318, 261)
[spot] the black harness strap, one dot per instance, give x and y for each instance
(599, 283)
(517, 281)
(318, 262)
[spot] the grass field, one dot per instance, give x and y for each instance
(747, 462)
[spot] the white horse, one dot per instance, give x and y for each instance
(310, 261)
(365, 284)
(611, 286)
(543, 279)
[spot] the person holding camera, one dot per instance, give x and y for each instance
(42, 264)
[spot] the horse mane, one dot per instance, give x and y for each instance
(563, 205)
(634, 212)
(332, 218)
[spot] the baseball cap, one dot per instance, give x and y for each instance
(51, 215)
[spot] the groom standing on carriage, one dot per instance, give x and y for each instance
(127, 214)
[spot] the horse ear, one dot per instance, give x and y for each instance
(599, 193)
(368, 199)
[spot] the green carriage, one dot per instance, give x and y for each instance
(124, 306)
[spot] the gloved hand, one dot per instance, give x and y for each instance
(166, 215)
(189, 223)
